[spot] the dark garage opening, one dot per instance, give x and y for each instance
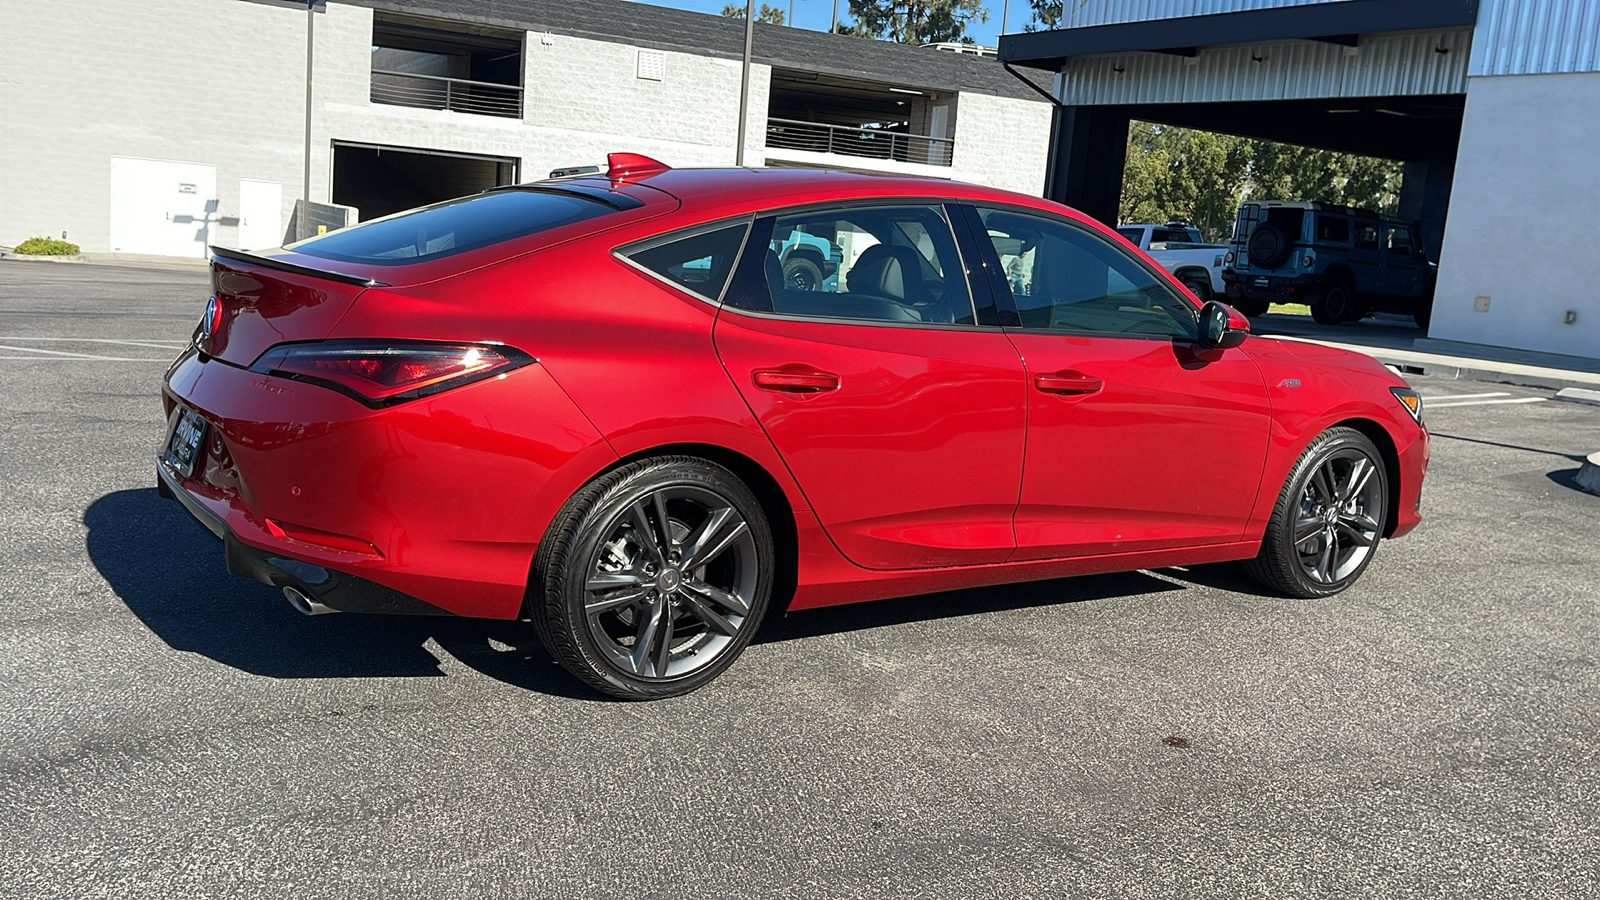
(380, 181)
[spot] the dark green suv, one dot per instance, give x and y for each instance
(1345, 263)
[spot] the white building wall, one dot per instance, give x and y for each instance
(193, 81)
(1533, 37)
(1001, 142)
(1519, 234)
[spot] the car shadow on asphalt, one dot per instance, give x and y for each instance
(169, 571)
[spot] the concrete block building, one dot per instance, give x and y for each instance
(160, 128)
(1489, 102)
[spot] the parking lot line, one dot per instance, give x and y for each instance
(62, 354)
(1429, 399)
(157, 343)
(1487, 402)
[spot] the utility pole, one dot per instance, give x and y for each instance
(1005, 17)
(303, 227)
(834, 29)
(744, 82)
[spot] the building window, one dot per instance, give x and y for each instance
(419, 64)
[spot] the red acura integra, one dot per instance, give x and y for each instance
(647, 408)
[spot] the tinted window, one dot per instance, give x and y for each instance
(1399, 240)
(1333, 229)
(1168, 235)
(697, 262)
(1366, 237)
(1134, 235)
(885, 263)
(1067, 278)
(453, 227)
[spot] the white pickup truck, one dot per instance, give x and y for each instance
(1178, 248)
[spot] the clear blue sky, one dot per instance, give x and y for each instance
(817, 14)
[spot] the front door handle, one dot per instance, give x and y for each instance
(795, 380)
(1067, 382)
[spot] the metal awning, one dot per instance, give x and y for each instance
(1338, 22)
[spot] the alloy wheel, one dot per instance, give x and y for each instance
(1339, 516)
(671, 582)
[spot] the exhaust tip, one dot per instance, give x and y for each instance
(303, 602)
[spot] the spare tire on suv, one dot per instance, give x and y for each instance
(1269, 247)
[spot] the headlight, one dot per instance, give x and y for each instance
(1228, 259)
(1411, 400)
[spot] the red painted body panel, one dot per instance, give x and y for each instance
(913, 460)
(908, 478)
(1166, 452)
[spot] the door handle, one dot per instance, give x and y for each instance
(1067, 382)
(795, 380)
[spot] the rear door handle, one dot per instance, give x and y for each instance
(1067, 382)
(795, 380)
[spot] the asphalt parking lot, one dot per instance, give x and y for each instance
(167, 730)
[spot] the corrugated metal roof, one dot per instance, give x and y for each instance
(1535, 37)
(1389, 65)
(1081, 13)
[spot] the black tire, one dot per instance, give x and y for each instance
(1309, 518)
(603, 575)
(1336, 304)
(801, 274)
(1269, 247)
(1198, 285)
(1251, 307)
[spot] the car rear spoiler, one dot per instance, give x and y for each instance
(281, 265)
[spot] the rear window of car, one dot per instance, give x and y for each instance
(699, 261)
(455, 226)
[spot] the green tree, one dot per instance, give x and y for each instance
(915, 21)
(1046, 15)
(1180, 173)
(767, 15)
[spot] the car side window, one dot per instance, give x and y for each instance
(1399, 241)
(879, 263)
(1067, 278)
(699, 262)
(1366, 237)
(1333, 229)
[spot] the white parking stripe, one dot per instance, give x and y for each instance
(158, 343)
(1428, 399)
(88, 359)
(54, 353)
(1486, 402)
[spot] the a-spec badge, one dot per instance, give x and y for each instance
(1289, 382)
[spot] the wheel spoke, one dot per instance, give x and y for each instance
(706, 556)
(1355, 534)
(1325, 562)
(1307, 528)
(712, 619)
(658, 500)
(616, 600)
(1362, 523)
(605, 581)
(641, 524)
(730, 602)
(663, 652)
(700, 550)
(1324, 483)
(1359, 473)
(645, 637)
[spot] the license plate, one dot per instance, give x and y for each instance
(1262, 282)
(183, 448)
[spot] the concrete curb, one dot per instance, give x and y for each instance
(1588, 477)
(30, 257)
(1579, 395)
(1409, 362)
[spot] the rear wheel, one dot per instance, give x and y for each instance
(653, 578)
(1328, 518)
(1251, 307)
(1334, 305)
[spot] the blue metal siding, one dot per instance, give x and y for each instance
(1534, 37)
(1081, 13)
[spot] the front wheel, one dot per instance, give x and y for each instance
(653, 578)
(1199, 286)
(1335, 305)
(1328, 519)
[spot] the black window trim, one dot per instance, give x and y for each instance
(1011, 317)
(751, 271)
(623, 253)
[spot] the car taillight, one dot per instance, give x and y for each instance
(380, 373)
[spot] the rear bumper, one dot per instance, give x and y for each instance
(441, 501)
(1276, 288)
(336, 590)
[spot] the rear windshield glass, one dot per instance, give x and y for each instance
(453, 227)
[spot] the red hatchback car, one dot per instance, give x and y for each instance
(598, 404)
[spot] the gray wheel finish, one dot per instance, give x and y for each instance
(654, 577)
(1335, 305)
(1336, 522)
(669, 582)
(1328, 518)
(1200, 287)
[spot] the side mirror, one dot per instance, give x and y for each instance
(1222, 326)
